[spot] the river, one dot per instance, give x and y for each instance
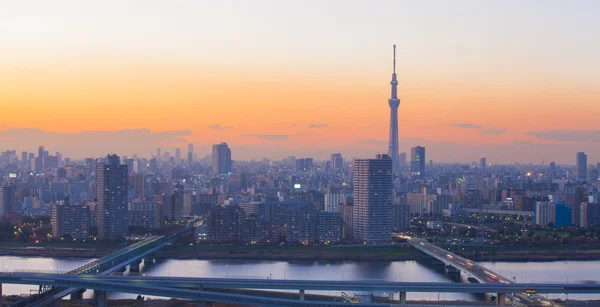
(562, 271)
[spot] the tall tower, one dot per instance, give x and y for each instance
(112, 180)
(394, 103)
(221, 159)
(373, 186)
(581, 166)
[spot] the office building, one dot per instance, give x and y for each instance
(417, 162)
(177, 156)
(112, 182)
(333, 200)
(547, 212)
(190, 154)
(581, 167)
(337, 162)
(158, 155)
(402, 160)
(372, 220)
(482, 163)
(304, 164)
(221, 159)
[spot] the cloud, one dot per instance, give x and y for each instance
(268, 137)
(482, 129)
(316, 126)
(466, 126)
(371, 142)
(218, 127)
(493, 131)
(94, 143)
(293, 125)
(569, 136)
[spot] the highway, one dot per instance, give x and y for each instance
(482, 274)
(82, 281)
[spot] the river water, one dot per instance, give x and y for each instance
(535, 272)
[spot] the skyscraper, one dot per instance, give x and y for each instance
(394, 102)
(8, 199)
(337, 162)
(581, 166)
(190, 155)
(177, 156)
(158, 155)
(372, 220)
(112, 199)
(221, 159)
(417, 162)
(482, 163)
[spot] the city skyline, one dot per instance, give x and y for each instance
(135, 84)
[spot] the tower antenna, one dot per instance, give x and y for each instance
(394, 58)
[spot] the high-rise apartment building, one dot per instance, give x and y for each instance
(112, 181)
(221, 159)
(589, 215)
(581, 166)
(373, 179)
(548, 212)
(145, 214)
(8, 199)
(417, 162)
(400, 217)
(72, 220)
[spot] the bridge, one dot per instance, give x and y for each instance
(103, 266)
(213, 289)
(480, 273)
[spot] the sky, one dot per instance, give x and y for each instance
(515, 81)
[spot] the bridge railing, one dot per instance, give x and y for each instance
(95, 266)
(38, 271)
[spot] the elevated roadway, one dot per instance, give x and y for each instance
(480, 273)
(103, 266)
(138, 282)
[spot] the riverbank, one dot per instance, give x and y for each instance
(309, 253)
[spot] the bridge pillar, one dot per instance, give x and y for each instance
(101, 299)
(501, 299)
(301, 294)
(134, 267)
(402, 298)
(77, 295)
(148, 260)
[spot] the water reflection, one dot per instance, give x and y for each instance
(411, 271)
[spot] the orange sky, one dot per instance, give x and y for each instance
(74, 72)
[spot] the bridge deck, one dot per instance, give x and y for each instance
(477, 271)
